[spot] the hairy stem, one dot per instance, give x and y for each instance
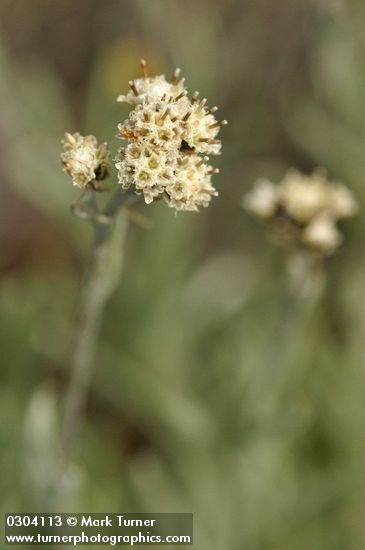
(102, 278)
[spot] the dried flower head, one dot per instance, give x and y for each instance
(168, 134)
(84, 160)
(302, 210)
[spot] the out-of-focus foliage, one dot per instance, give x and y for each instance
(215, 390)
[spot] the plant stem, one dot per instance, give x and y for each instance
(301, 293)
(102, 278)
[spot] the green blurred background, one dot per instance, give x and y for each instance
(212, 393)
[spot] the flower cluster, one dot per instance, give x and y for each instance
(169, 137)
(302, 210)
(84, 160)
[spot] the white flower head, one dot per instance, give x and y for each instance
(84, 160)
(144, 169)
(262, 200)
(302, 210)
(154, 122)
(342, 202)
(167, 132)
(322, 235)
(305, 196)
(302, 196)
(190, 187)
(201, 129)
(151, 88)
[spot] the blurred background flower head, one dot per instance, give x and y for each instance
(302, 211)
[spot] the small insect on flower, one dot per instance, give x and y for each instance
(169, 137)
(302, 211)
(84, 160)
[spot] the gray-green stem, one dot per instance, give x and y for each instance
(101, 280)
